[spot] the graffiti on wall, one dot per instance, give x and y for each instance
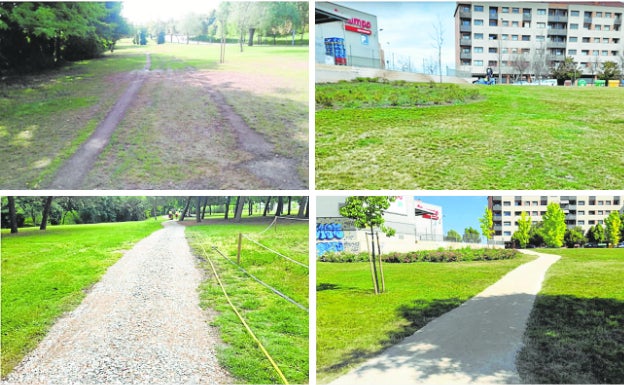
(335, 235)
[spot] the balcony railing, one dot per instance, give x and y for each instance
(465, 55)
(465, 41)
(465, 28)
(617, 21)
(556, 44)
(465, 14)
(557, 31)
(557, 19)
(526, 17)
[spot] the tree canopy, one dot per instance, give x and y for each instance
(554, 226)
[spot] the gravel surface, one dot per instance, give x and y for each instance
(140, 324)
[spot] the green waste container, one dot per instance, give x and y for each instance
(599, 83)
(582, 83)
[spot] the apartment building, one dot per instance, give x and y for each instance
(523, 40)
(583, 211)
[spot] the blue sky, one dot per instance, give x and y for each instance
(408, 28)
(459, 212)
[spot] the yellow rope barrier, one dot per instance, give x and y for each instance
(251, 333)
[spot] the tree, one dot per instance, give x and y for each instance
(471, 235)
(574, 237)
(566, 70)
(367, 212)
(281, 19)
(438, 42)
(614, 224)
(12, 215)
(596, 234)
(554, 225)
(538, 62)
(522, 235)
(45, 213)
(520, 64)
(223, 14)
(238, 212)
(609, 71)
(535, 235)
(487, 225)
(453, 236)
(303, 204)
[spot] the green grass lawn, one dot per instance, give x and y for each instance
(354, 324)
(281, 326)
(576, 331)
(45, 273)
(508, 137)
(46, 117)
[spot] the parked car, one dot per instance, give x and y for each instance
(620, 245)
(521, 83)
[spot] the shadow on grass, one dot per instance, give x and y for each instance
(573, 340)
(419, 313)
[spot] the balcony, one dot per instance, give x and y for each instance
(556, 44)
(557, 32)
(570, 217)
(555, 57)
(587, 20)
(465, 28)
(557, 19)
(465, 55)
(617, 21)
(465, 14)
(526, 17)
(465, 41)
(497, 207)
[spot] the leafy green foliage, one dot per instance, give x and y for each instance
(453, 236)
(609, 70)
(574, 237)
(566, 70)
(487, 224)
(522, 235)
(596, 234)
(367, 211)
(554, 226)
(613, 224)
(471, 235)
(455, 255)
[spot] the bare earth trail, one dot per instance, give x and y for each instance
(140, 324)
(261, 161)
(476, 342)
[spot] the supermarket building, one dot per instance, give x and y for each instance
(353, 34)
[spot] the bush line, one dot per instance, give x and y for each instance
(458, 255)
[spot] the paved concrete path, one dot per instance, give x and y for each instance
(476, 342)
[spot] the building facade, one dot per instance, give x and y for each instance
(346, 36)
(415, 222)
(524, 40)
(584, 211)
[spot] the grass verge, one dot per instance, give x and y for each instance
(516, 137)
(46, 273)
(281, 326)
(575, 333)
(354, 324)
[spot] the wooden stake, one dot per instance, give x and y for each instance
(383, 281)
(240, 246)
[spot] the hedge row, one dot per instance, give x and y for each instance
(466, 254)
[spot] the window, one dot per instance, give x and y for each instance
(478, 8)
(478, 22)
(535, 203)
(515, 10)
(506, 203)
(596, 40)
(585, 52)
(504, 50)
(600, 203)
(492, 36)
(604, 53)
(598, 27)
(600, 212)
(478, 63)
(507, 233)
(505, 37)
(507, 223)
(478, 49)
(493, 23)
(607, 28)
(492, 63)
(541, 11)
(571, 52)
(514, 37)
(505, 23)
(541, 25)
(573, 26)
(492, 50)
(526, 38)
(608, 15)
(506, 213)
(586, 40)
(598, 14)
(581, 212)
(505, 10)
(515, 24)
(580, 223)
(540, 38)
(534, 213)
(573, 39)
(581, 203)
(478, 36)
(591, 222)
(526, 24)
(591, 212)
(608, 203)
(574, 13)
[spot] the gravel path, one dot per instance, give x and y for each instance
(140, 324)
(476, 342)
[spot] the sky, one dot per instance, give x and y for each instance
(408, 28)
(458, 212)
(144, 11)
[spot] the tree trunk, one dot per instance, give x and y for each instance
(250, 207)
(251, 36)
(307, 210)
(280, 206)
(289, 202)
(12, 215)
(266, 207)
(242, 35)
(186, 206)
(227, 208)
(372, 261)
(303, 204)
(198, 209)
(204, 209)
(238, 212)
(381, 274)
(46, 212)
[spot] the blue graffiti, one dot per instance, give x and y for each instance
(329, 231)
(328, 247)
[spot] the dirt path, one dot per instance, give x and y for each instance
(476, 342)
(140, 324)
(73, 172)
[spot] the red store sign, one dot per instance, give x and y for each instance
(359, 26)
